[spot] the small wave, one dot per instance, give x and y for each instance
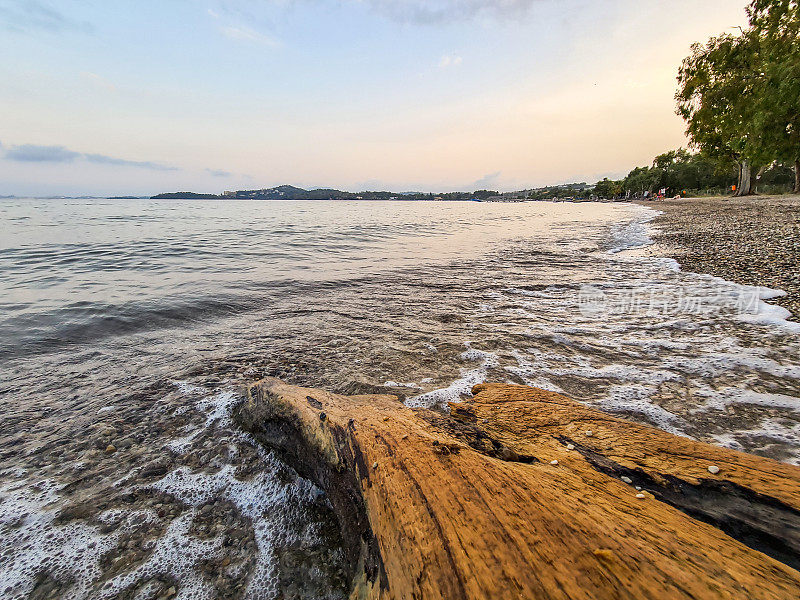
(461, 386)
(635, 233)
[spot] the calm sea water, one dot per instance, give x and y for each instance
(127, 329)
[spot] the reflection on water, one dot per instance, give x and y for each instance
(129, 327)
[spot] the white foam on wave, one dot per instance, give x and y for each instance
(526, 371)
(550, 292)
(768, 432)
(770, 315)
(182, 444)
(655, 345)
(216, 407)
(619, 372)
(638, 399)
(461, 386)
(72, 554)
(632, 394)
(725, 355)
(261, 499)
(722, 398)
(33, 544)
(748, 303)
(663, 336)
(582, 367)
(190, 389)
(174, 556)
(635, 233)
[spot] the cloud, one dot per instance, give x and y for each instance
(245, 34)
(32, 153)
(102, 159)
(219, 173)
(421, 12)
(32, 15)
(488, 181)
(450, 60)
(60, 154)
(434, 12)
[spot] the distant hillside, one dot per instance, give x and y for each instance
(289, 192)
(183, 195)
(567, 190)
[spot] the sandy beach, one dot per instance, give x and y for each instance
(752, 241)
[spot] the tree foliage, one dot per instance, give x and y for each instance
(608, 188)
(680, 171)
(740, 94)
(776, 24)
(716, 85)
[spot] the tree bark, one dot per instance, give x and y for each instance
(745, 187)
(797, 176)
(523, 493)
(738, 180)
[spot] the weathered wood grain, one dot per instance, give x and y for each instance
(468, 505)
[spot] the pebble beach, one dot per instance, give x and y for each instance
(751, 241)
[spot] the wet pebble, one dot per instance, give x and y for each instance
(713, 469)
(554, 462)
(627, 480)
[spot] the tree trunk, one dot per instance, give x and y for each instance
(797, 176)
(524, 493)
(745, 187)
(738, 180)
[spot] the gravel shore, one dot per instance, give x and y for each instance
(752, 241)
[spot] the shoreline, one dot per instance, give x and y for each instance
(752, 241)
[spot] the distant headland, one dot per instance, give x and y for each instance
(289, 192)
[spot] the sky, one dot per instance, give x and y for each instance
(139, 97)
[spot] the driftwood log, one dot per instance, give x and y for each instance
(523, 493)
